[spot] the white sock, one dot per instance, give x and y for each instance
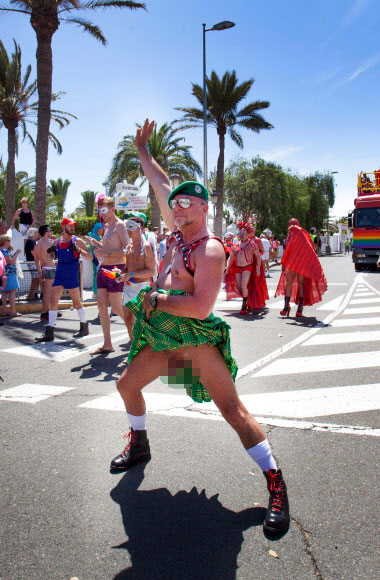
(82, 314)
(52, 317)
(138, 422)
(262, 455)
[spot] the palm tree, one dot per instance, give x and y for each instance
(166, 148)
(45, 18)
(88, 202)
(18, 108)
(58, 189)
(223, 97)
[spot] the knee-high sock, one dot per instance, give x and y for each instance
(138, 422)
(262, 455)
(52, 317)
(82, 314)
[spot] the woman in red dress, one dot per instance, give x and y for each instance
(302, 280)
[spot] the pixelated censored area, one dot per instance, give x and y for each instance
(179, 374)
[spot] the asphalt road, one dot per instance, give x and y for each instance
(196, 510)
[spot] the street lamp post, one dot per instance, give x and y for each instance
(219, 26)
(328, 248)
(214, 199)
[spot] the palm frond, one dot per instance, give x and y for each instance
(93, 5)
(88, 27)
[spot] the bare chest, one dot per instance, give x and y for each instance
(111, 239)
(245, 255)
(135, 260)
(174, 273)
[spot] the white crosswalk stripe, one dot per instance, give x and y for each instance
(352, 322)
(29, 393)
(323, 363)
(343, 338)
(62, 350)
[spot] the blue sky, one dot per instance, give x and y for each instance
(318, 63)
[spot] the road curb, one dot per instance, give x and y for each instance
(31, 308)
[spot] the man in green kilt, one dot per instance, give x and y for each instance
(176, 334)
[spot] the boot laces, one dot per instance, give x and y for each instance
(276, 489)
(132, 439)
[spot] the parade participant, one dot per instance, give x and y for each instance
(25, 215)
(242, 270)
(67, 250)
(11, 282)
(140, 265)
(30, 244)
(175, 330)
(259, 284)
(45, 265)
(110, 253)
(265, 257)
(302, 279)
(228, 244)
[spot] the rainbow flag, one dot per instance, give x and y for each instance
(367, 239)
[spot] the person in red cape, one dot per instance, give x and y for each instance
(302, 279)
(242, 270)
(259, 292)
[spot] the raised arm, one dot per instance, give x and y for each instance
(16, 214)
(155, 174)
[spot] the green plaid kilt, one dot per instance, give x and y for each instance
(168, 332)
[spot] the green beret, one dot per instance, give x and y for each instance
(189, 188)
(133, 214)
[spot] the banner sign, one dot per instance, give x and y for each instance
(129, 197)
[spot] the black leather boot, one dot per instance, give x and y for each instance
(300, 307)
(286, 310)
(277, 517)
(48, 335)
(136, 451)
(83, 331)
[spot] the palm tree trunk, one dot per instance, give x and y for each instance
(11, 175)
(44, 25)
(156, 215)
(220, 188)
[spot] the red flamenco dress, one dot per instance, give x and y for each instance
(257, 287)
(300, 257)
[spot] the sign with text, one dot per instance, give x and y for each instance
(125, 187)
(137, 202)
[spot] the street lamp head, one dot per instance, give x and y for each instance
(223, 25)
(175, 180)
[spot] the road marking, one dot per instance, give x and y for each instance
(343, 399)
(333, 304)
(29, 393)
(365, 301)
(154, 402)
(286, 347)
(323, 363)
(343, 337)
(57, 351)
(365, 310)
(343, 322)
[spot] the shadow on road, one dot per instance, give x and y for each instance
(182, 536)
(306, 321)
(102, 367)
